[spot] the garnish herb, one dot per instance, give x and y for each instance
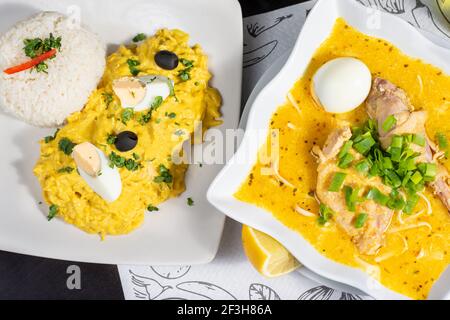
(139, 37)
(337, 182)
(120, 162)
(185, 74)
(66, 170)
(442, 140)
(325, 214)
(66, 146)
(351, 198)
(52, 212)
(49, 139)
(145, 118)
(151, 208)
(164, 175)
(190, 202)
(389, 123)
(126, 115)
(360, 220)
(136, 156)
(107, 98)
(111, 139)
(172, 115)
(37, 47)
(133, 64)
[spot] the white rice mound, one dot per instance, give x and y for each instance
(41, 99)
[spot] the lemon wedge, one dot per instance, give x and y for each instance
(266, 254)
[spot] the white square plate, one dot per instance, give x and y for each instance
(316, 29)
(177, 234)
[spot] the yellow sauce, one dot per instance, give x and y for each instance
(412, 270)
(158, 139)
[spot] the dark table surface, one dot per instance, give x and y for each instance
(24, 277)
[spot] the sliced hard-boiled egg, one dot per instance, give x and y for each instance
(341, 85)
(139, 93)
(94, 168)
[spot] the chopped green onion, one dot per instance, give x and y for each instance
(377, 196)
(345, 161)
(419, 139)
(389, 123)
(337, 182)
(411, 203)
(345, 149)
(396, 203)
(325, 214)
(396, 154)
(442, 140)
(363, 166)
(429, 170)
(416, 177)
(361, 220)
(397, 142)
(351, 198)
(365, 144)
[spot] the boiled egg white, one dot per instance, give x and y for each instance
(341, 85)
(139, 93)
(94, 168)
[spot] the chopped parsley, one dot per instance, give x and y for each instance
(136, 156)
(151, 208)
(49, 139)
(66, 146)
(66, 170)
(190, 202)
(172, 115)
(37, 46)
(52, 212)
(111, 139)
(164, 175)
(127, 115)
(133, 64)
(145, 118)
(185, 74)
(107, 98)
(120, 162)
(156, 102)
(139, 37)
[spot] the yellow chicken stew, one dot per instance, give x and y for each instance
(415, 252)
(160, 136)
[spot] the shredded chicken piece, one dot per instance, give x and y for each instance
(386, 99)
(370, 237)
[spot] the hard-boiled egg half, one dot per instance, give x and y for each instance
(94, 168)
(341, 85)
(139, 93)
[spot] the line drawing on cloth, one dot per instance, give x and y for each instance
(150, 289)
(421, 13)
(206, 290)
(257, 55)
(350, 296)
(391, 6)
(317, 293)
(171, 272)
(254, 29)
(259, 291)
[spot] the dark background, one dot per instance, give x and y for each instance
(23, 277)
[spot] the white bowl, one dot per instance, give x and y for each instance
(317, 28)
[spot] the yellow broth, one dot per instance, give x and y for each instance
(411, 270)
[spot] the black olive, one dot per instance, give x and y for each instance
(126, 141)
(166, 60)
